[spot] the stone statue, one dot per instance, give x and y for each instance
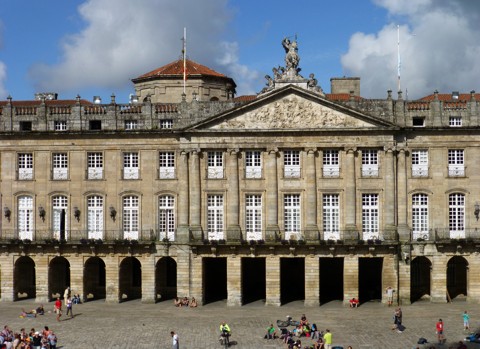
(269, 84)
(278, 72)
(291, 58)
(312, 84)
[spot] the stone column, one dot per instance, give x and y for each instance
(272, 264)
(350, 195)
(403, 289)
(234, 280)
(402, 197)
(183, 271)
(389, 275)
(312, 281)
(233, 209)
(350, 278)
(41, 278)
(6, 273)
(272, 228)
(438, 287)
(183, 231)
(195, 196)
(148, 278)
(389, 196)
(76, 275)
(112, 269)
(196, 279)
(311, 228)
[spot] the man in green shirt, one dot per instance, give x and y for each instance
(271, 333)
(327, 337)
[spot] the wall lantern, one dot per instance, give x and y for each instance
(41, 213)
(7, 213)
(113, 213)
(477, 210)
(76, 213)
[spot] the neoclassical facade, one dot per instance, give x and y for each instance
(291, 194)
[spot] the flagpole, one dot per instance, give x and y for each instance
(184, 59)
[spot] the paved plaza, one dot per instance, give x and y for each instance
(136, 325)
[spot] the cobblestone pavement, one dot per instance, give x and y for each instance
(136, 325)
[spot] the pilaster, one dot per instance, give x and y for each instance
(272, 194)
(112, 269)
(272, 265)
(148, 279)
(41, 278)
(439, 279)
(234, 281)
(350, 278)
(7, 261)
(312, 281)
(350, 194)
(233, 212)
(183, 230)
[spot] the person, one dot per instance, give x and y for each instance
(37, 340)
(225, 332)
(400, 327)
(314, 331)
(466, 321)
(389, 292)
(319, 344)
(271, 333)
(40, 310)
(461, 345)
(175, 344)
(31, 313)
(193, 303)
(66, 294)
(76, 299)
(177, 302)
(353, 303)
(303, 320)
(185, 301)
(327, 338)
(58, 308)
(69, 307)
(440, 329)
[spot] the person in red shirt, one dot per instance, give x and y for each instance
(58, 308)
(440, 329)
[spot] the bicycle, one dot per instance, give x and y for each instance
(224, 339)
(289, 322)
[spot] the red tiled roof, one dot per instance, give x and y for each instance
(448, 97)
(340, 97)
(246, 98)
(176, 69)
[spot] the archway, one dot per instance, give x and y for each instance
(94, 279)
(420, 275)
(166, 279)
(214, 279)
(253, 279)
(457, 280)
(130, 279)
(370, 278)
(24, 278)
(58, 277)
(331, 279)
(292, 279)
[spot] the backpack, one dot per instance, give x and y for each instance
(422, 340)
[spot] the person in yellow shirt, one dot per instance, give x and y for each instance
(327, 338)
(225, 332)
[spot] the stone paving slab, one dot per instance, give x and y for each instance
(136, 325)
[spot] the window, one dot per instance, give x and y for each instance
(131, 125)
(369, 163)
(60, 166)
(291, 164)
(95, 217)
(418, 122)
(420, 163)
(60, 125)
(370, 219)
(95, 166)
(25, 166)
(215, 217)
(25, 217)
(456, 215)
(166, 217)
(253, 164)
(166, 124)
(130, 217)
(456, 167)
(95, 125)
(130, 166)
(25, 125)
(291, 218)
(331, 164)
(215, 164)
(167, 165)
(455, 121)
(420, 216)
(253, 217)
(331, 217)
(59, 217)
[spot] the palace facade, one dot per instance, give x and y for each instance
(290, 194)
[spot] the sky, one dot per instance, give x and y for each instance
(95, 47)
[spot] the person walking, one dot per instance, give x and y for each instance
(58, 308)
(327, 338)
(69, 307)
(389, 292)
(466, 321)
(440, 329)
(175, 344)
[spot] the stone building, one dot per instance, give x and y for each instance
(290, 194)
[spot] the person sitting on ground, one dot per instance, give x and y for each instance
(185, 301)
(303, 320)
(306, 330)
(177, 302)
(193, 303)
(31, 313)
(353, 303)
(40, 310)
(319, 344)
(298, 331)
(76, 299)
(271, 332)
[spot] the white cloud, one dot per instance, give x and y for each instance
(123, 39)
(438, 47)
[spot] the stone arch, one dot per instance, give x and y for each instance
(166, 279)
(24, 278)
(58, 277)
(420, 278)
(457, 277)
(94, 279)
(130, 279)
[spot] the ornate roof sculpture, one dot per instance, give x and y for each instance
(290, 74)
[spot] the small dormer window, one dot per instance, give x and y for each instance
(455, 121)
(418, 122)
(166, 124)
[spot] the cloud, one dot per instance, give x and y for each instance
(123, 39)
(438, 48)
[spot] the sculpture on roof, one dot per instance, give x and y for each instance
(291, 58)
(312, 84)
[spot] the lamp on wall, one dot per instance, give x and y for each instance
(76, 213)
(477, 210)
(41, 213)
(7, 213)
(113, 212)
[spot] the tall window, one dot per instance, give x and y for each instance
(370, 218)
(25, 166)
(369, 163)
(420, 163)
(456, 165)
(253, 164)
(253, 217)
(59, 217)
(130, 217)
(456, 215)
(331, 216)
(215, 222)
(167, 165)
(331, 163)
(130, 166)
(291, 218)
(215, 164)
(166, 217)
(95, 217)
(95, 166)
(291, 164)
(60, 166)
(25, 217)
(60, 125)
(420, 216)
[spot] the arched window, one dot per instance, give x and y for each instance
(166, 217)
